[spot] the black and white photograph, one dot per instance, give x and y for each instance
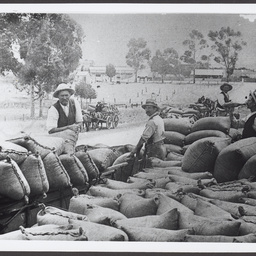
(128, 127)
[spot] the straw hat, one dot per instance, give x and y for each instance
(150, 102)
(63, 87)
(226, 85)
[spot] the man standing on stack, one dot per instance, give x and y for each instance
(153, 135)
(66, 113)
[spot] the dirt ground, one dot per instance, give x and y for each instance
(128, 133)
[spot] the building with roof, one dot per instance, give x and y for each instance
(245, 75)
(209, 73)
(94, 74)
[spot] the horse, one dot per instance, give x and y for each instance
(87, 120)
(95, 119)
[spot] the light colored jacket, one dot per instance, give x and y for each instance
(154, 130)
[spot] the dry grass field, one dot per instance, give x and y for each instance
(15, 105)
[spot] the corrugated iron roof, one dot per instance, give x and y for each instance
(210, 72)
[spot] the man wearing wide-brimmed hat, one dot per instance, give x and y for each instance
(153, 134)
(66, 113)
(223, 98)
(225, 106)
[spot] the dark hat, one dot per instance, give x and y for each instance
(226, 85)
(150, 102)
(63, 87)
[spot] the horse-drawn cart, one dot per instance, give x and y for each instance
(95, 120)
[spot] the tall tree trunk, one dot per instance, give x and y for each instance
(194, 68)
(227, 75)
(32, 101)
(194, 75)
(41, 98)
(136, 73)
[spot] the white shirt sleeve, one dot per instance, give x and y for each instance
(79, 116)
(220, 99)
(52, 118)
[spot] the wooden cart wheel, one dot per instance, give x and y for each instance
(115, 121)
(108, 122)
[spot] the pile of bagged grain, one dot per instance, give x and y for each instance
(204, 193)
(32, 166)
(152, 206)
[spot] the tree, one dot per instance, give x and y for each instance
(165, 63)
(227, 45)
(48, 51)
(159, 65)
(137, 54)
(185, 70)
(172, 57)
(110, 71)
(85, 91)
(195, 44)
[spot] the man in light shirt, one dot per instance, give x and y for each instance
(66, 113)
(153, 134)
(225, 106)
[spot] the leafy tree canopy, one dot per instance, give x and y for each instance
(85, 91)
(227, 44)
(47, 47)
(195, 43)
(110, 70)
(137, 54)
(40, 49)
(165, 62)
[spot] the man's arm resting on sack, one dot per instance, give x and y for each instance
(74, 127)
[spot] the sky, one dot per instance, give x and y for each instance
(107, 35)
(108, 28)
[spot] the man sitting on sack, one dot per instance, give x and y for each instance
(153, 134)
(66, 113)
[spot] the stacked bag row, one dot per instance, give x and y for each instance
(172, 112)
(155, 205)
(210, 144)
(207, 138)
(33, 166)
(176, 129)
(180, 133)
